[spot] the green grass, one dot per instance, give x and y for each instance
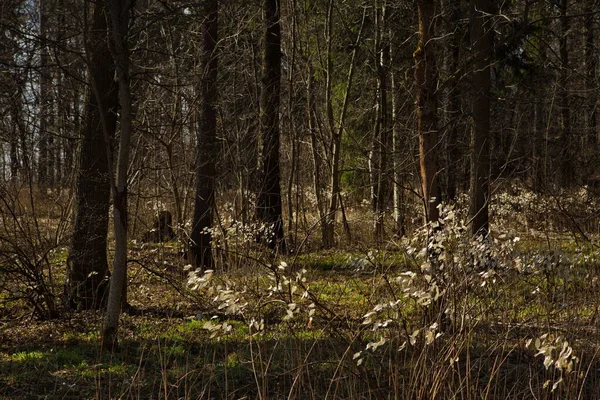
(59, 255)
(338, 260)
(170, 357)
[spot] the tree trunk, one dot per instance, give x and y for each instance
(88, 265)
(336, 131)
(591, 63)
(328, 227)
(316, 155)
(381, 187)
(119, 16)
(481, 41)
(207, 143)
(295, 143)
(397, 142)
(14, 149)
(565, 142)
(426, 86)
(43, 170)
(453, 153)
(269, 207)
(538, 156)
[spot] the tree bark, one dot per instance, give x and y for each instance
(481, 41)
(43, 170)
(536, 174)
(397, 142)
(269, 206)
(119, 16)
(295, 143)
(316, 155)
(453, 151)
(565, 141)
(13, 154)
(88, 264)
(328, 222)
(591, 63)
(381, 184)
(201, 237)
(426, 85)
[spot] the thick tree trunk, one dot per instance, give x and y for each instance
(269, 207)
(119, 16)
(207, 143)
(88, 265)
(481, 41)
(427, 126)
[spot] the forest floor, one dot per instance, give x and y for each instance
(336, 325)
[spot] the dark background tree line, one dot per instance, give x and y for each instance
(308, 119)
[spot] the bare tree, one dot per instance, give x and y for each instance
(397, 144)
(207, 145)
(45, 169)
(337, 130)
(427, 125)
(381, 134)
(591, 63)
(11, 87)
(481, 41)
(566, 141)
(119, 16)
(88, 264)
(269, 207)
(453, 154)
(317, 159)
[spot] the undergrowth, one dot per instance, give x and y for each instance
(438, 315)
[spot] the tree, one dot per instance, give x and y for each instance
(268, 205)
(317, 159)
(45, 167)
(453, 156)
(11, 88)
(426, 86)
(119, 16)
(591, 63)
(481, 42)
(88, 264)
(381, 135)
(336, 130)
(402, 121)
(566, 141)
(207, 145)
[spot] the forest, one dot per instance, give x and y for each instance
(300, 199)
